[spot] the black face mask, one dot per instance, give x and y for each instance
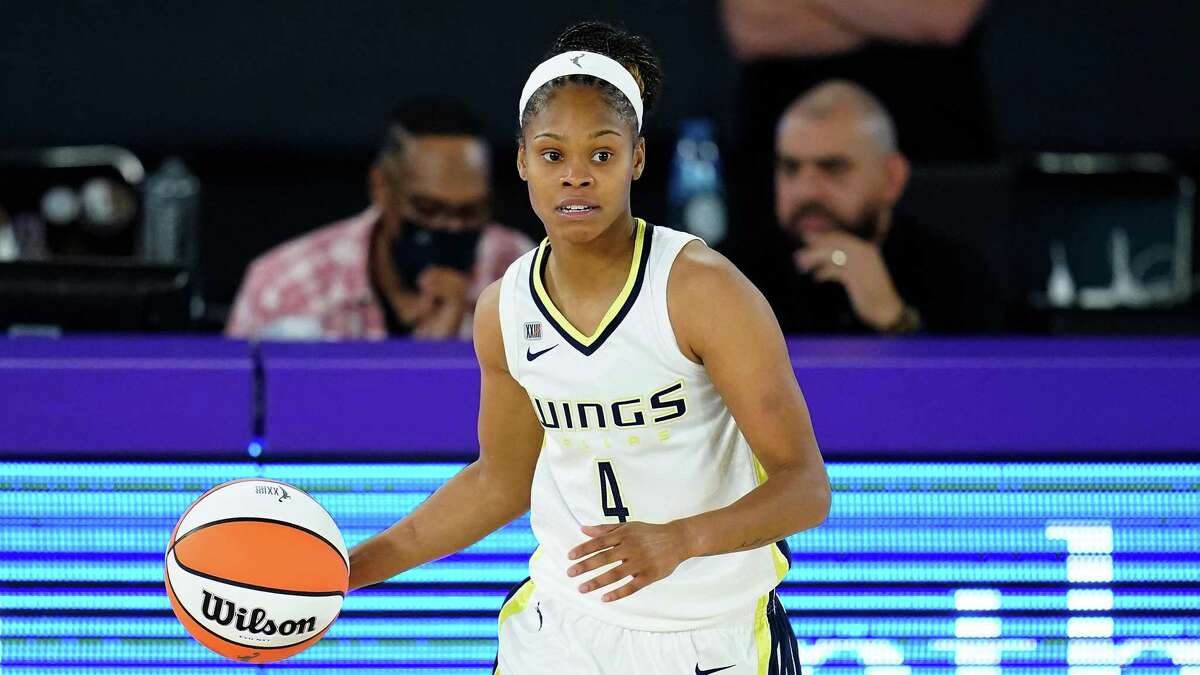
(419, 247)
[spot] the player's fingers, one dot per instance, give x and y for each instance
(592, 545)
(595, 562)
(608, 578)
(598, 530)
(603, 537)
(636, 584)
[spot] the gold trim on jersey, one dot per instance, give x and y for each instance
(614, 309)
(515, 605)
(782, 564)
(762, 634)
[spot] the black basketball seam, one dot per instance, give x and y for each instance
(321, 506)
(198, 500)
(261, 480)
(251, 519)
(253, 587)
(171, 588)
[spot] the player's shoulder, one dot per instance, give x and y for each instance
(489, 342)
(489, 298)
(707, 295)
(699, 271)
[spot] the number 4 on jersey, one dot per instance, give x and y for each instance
(611, 492)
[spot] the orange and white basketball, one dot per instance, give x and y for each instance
(256, 570)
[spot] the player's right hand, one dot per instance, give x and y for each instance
(646, 552)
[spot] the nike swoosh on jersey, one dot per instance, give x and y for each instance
(714, 670)
(531, 355)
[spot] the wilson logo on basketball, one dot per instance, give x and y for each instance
(273, 490)
(224, 612)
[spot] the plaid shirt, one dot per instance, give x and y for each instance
(318, 285)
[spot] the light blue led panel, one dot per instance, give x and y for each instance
(922, 569)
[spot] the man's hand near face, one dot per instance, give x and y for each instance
(858, 266)
(443, 293)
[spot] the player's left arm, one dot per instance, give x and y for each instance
(721, 320)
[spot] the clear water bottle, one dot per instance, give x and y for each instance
(171, 210)
(1060, 287)
(696, 194)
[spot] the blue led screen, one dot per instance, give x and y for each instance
(964, 568)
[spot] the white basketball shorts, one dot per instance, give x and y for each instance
(541, 636)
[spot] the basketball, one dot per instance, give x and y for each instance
(256, 570)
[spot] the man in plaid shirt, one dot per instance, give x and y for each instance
(411, 264)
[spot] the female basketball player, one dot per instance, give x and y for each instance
(637, 393)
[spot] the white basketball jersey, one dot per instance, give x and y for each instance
(635, 431)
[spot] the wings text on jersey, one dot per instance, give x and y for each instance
(664, 405)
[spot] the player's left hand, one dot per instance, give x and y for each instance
(858, 266)
(646, 552)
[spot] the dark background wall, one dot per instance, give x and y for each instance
(277, 105)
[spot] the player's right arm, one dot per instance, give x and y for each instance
(488, 493)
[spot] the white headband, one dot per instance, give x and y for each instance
(583, 63)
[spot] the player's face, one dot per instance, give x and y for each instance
(578, 157)
(829, 175)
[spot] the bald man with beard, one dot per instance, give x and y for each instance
(841, 260)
